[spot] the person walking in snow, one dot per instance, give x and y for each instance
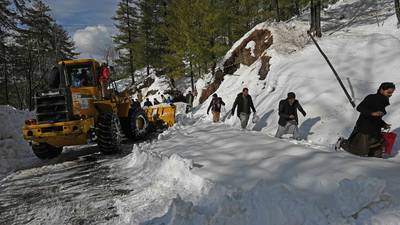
(169, 100)
(136, 104)
(288, 119)
(147, 103)
(215, 106)
(189, 102)
(163, 99)
(244, 103)
(366, 138)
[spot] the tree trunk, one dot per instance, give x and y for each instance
(318, 19)
(312, 17)
(131, 66)
(20, 101)
(277, 11)
(297, 7)
(397, 7)
(30, 106)
(191, 77)
(6, 82)
(148, 70)
(5, 74)
(199, 67)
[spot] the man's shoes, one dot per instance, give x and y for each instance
(338, 144)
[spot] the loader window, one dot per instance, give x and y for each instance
(80, 75)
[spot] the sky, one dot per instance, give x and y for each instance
(88, 22)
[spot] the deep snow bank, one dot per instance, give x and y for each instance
(295, 182)
(158, 179)
(15, 152)
(359, 201)
(173, 194)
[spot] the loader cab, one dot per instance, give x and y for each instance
(81, 73)
(81, 79)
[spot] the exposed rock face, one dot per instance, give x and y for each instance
(263, 72)
(252, 48)
(146, 83)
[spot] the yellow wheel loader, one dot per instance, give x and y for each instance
(72, 111)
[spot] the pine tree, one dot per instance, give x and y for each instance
(397, 9)
(35, 41)
(7, 23)
(229, 10)
(62, 45)
(31, 43)
(151, 41)
(126, 19)
(176, 29)
(40, 45)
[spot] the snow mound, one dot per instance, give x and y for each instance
(157, 88)
(15, 152)
(158, 179)
(121, 85)
(353, 195)
(289, 37)
(278, 204)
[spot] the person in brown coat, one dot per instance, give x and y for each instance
(215, 106)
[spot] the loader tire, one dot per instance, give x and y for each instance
(138, 124)
(109, 133)
(46, 151)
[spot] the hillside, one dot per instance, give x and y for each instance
(363, 54)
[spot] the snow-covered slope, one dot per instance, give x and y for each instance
(291, 182)
(249, 178)
(15, 152)
(364, 56)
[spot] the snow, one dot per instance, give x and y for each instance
(15, 152)
(199, 172)
(221, 178)
(166, 178)
(358, 57)
(261, 26)
(121, 85)
(160, 85)
(274, 181)
(251, 45)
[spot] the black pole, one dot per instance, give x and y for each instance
(333, 70)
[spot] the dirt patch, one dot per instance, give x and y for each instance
(265, 66)
(262, 39)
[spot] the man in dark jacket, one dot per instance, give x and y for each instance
(136, 104)
(366, 138)
(215, 106)
(288, 119)
(189, 102)
(147, 103)
(244, 103)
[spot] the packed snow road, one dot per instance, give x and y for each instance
(82, 186)
(80, 181)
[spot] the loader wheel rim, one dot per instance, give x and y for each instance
(141, 124)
